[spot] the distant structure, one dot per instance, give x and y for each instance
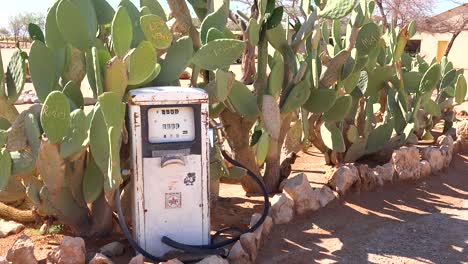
(436, 34)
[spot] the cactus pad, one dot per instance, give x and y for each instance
(367, 39)
(5, 164)
(92, 181)
(53, 37)
(224, 82)
(156, 31)
(15, 76)
(218, 53)
(73, 93)
(140, 63)
(216, 20)
(460, 89)
(214, 33)
(340, 109)
(122, 32)
(379, 137)
(275, 79)
(175, 62)
(35, 32)
(44, 78)
(33, 133)
(320, 100)
(55, 117)
(261, 148)
(243, 101)
(297, 97)
(336, 9)
(116, 79)
(430, 79)
(99, 140)
(76, 20)
(77, 137)
(432, 108)
(332, 137)
(113, 111)
(253, 31)
(154, 7)
(104, 11)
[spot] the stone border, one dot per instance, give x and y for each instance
(299, 196)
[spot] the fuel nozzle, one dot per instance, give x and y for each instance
(218, 127)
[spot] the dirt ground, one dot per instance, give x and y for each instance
(416, 222)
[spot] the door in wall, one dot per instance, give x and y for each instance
(441, 47)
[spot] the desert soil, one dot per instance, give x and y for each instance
(412, 222)
(417, 222)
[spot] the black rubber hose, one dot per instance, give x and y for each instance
(225, 229)
(226, 242)
(146, 254)
(212, 248)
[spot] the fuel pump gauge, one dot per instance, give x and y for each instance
(171, 124)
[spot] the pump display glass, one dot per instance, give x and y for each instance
(171, 124)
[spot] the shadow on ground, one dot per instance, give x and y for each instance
(418, 222)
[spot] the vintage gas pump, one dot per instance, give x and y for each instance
(169, 129)
(170, 166)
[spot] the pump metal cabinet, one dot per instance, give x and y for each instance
(170, 166)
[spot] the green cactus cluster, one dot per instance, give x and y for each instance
(348, 95)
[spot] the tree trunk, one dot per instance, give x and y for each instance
(382, 12)
(248, 62)
(450, 44)
(237, 134)
(101, 214)
(273, 160)
(272, 167)
(248, 56)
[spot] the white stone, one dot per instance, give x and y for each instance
(71, 250)
(249, 244)
(237, 254)
(172, 261)
(446, 146)
(434, 156)
(342, 178)
(425, 168)
(326, 195)
(9, 228)
(100, 259)
(213, 260)
(22, 251)
(304, 196)
(138, 259)
(267, 226)
(385, 172)
(462, 131)
(112, 249)
(369, 178)
(282, 208)
(263, 229)
(406, 163)
(457, 146)
(258, 232)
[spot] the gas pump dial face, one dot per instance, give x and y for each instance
(171, 124)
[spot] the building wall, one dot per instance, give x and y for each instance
(458, 54)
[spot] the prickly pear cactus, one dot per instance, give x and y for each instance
(349, 96)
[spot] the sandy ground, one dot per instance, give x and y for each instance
(420, 222)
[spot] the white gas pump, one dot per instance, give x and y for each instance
(170, 167)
